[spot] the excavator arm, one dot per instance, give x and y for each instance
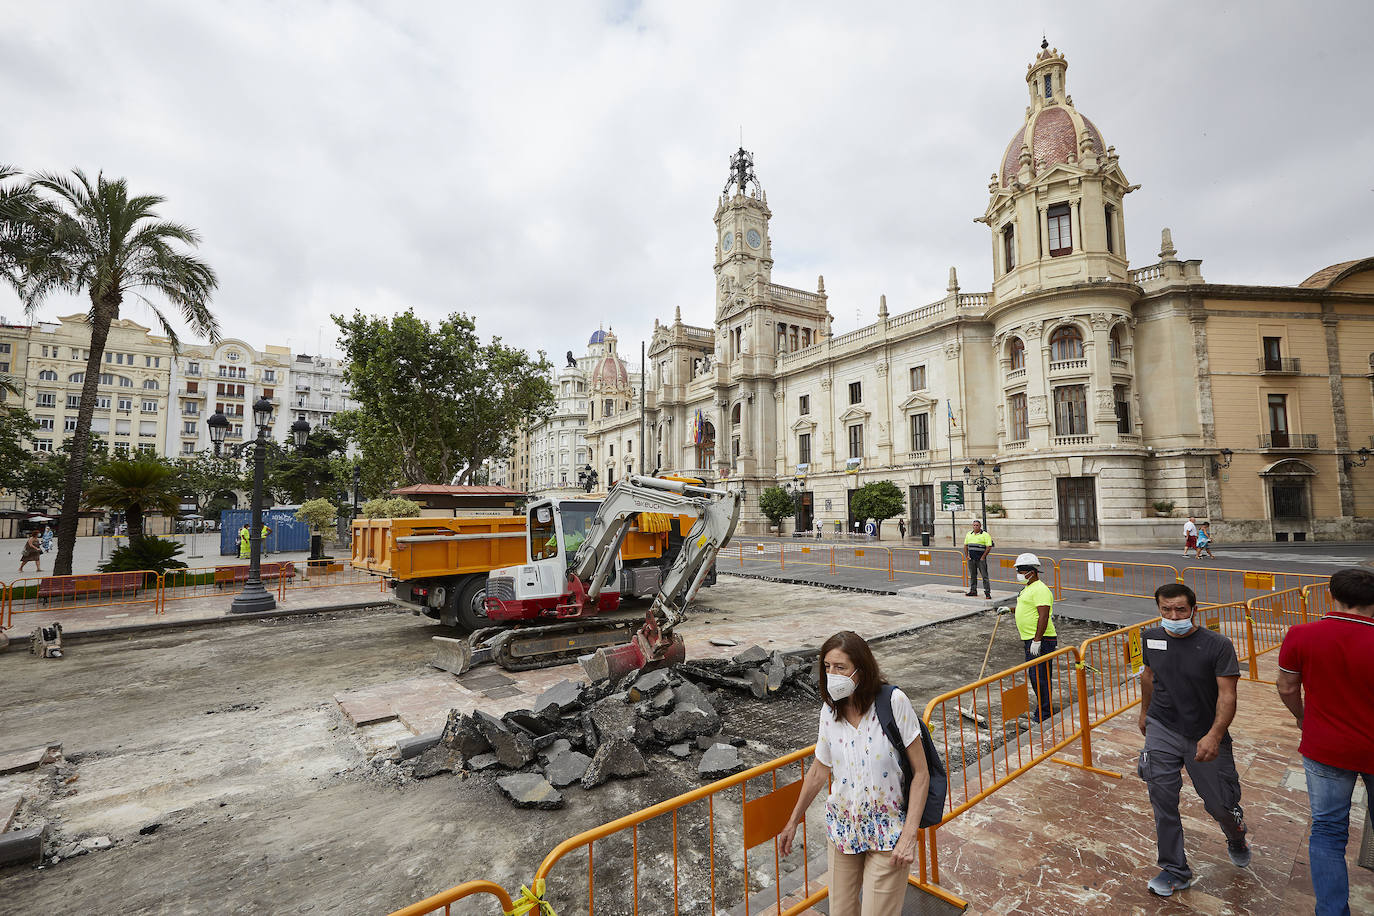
(716, 513)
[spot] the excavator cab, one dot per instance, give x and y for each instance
(538, 589)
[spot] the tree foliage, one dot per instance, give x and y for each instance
(777, 504)
(78, 236)
(319, 514)
(390, 507)
(42, 477)
(315, 470)
(434, 402)
(154, 554)
(881, 500)
(16, 431)
(135, 488)
(204, 476)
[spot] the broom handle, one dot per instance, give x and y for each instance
(988, 654)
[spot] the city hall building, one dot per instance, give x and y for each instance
(1098, 389)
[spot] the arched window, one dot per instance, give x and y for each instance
(735, 416)
(1017, 351)
(150, 384)
(1114, 343)
(47, 375)
(125, 382)
(76, 378)
(1066, 343)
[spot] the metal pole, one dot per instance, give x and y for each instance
(643, 383)
(983, 495)
(949, 435)
(254, 597)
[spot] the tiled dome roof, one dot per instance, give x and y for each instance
(1053, 138)
(597, 337)
(610, 374)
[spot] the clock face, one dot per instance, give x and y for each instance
(728, 242)
(753, 238)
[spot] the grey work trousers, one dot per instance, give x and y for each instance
(1161, 763)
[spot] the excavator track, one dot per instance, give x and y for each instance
(529, 648)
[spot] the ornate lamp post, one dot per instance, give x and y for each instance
(981, 482)
(254, 596)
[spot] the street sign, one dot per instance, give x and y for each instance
(951, 496)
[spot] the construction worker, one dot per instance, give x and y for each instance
(977, 544)
(1036, 626)
(245, 545)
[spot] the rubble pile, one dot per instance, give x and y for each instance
(588, 734)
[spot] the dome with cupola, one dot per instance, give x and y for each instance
(609, 372)
(1054, 132)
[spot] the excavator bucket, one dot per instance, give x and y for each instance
(615, 662)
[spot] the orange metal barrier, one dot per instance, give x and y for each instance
(1226, 586)
(441, 903)
(866, 557)
(930, 561)
(805, 555)
(1002, 569)
(1316, 601)
(1268, 619)
(1129, 580)
(45, 594)
(327, 574)
(226, 579)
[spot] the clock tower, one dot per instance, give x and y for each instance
(744, 258)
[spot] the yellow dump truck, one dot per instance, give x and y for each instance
(439, 566)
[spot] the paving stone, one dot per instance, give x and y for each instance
(436, 760)
(530, 790)
(483, 762)
(22, 847)
(566, 768)
(364, 710)
(617, 757)
(684, 722)
(513, 748)
(28, 758)
(563, 696)
(653, 681)
(680, 750)
(610, 718)
(462, 734)
(414, 747)
(720, 761)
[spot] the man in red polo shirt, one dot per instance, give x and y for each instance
(1326, 679)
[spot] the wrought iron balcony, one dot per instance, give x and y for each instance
(1285, 440)
(1279, 366)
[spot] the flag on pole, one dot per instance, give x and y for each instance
(949, 410)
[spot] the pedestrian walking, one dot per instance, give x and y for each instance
(901, 527)
(818, 529)
(1327, 682)
(1190, 535)
(33, 550)
(977, 544)
(1035, 623)
(47, 539)
(1187, 702)
(872, 842)
(1204, 541)
(245, 543)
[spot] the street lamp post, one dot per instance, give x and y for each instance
(981, 483)
(254, 596)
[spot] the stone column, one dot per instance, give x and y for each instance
(1197, 318)
(1038, 424)
(1331, 328)
(1077, 223)
(1100, 364)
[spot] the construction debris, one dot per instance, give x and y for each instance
(46, 642)
(587, 734)
(30, 758)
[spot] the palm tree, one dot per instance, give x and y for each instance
(15, 203)
(98, 240)
(135, 487)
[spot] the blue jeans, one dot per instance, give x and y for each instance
(1328, 793)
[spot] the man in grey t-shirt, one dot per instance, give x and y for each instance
(1187, 702)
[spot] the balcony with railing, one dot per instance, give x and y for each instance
(187, 393)
(1271, 365)
(1119, 365)
(1069, 441)
(1286, 440)
(1016, 374)
(1069, 367)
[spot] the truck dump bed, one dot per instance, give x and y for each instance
(418, 548)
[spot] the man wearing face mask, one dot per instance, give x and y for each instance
(1034, 621)
(1187, 702)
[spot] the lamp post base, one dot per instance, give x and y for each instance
(252, 599)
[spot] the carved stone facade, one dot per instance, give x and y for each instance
(1094, 386)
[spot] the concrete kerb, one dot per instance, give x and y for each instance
(20, 641)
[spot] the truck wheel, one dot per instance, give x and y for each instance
(471, 604)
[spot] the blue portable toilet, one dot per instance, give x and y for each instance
(289, 534)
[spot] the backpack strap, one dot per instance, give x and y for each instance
(888, 722)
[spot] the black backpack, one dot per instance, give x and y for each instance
(939, 782)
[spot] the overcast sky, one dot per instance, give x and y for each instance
(554, 167)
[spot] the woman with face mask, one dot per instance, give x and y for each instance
(872, 842)
(1034, 607)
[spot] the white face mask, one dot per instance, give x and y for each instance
(1020, 577)
(839, 686)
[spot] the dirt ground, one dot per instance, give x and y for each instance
(218, 763)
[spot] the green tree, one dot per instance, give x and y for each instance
(205, 476)
(43, 478)
(390, 507)
(880, 500)
(135, 488)
(98, 240)
(16, 227)
(315, 470)
(319, 514)
(777, 504)
(434, 402)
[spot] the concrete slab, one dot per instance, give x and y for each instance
(22, 847)
(29, 758)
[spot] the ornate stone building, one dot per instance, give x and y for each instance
(1097, 389)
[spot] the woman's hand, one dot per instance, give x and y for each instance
(904, 853)
(788, 834)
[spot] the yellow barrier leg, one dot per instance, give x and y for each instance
(1085, 729)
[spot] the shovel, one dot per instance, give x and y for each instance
(969, 713)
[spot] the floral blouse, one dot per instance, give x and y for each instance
(863, 812)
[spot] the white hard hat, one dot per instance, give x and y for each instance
(1028, 559)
